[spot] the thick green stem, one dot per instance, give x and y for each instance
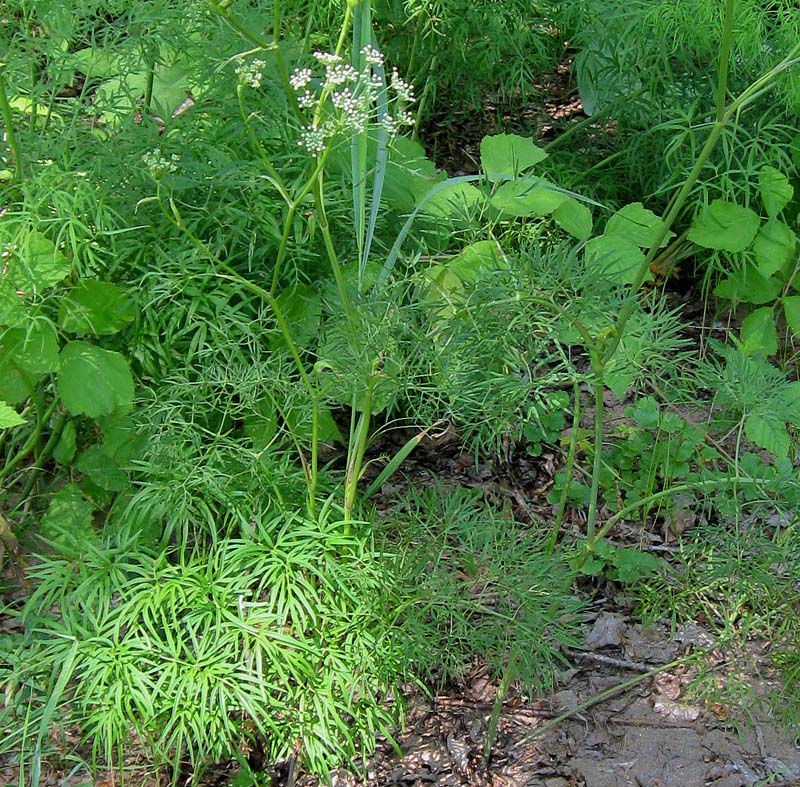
(275, 178)
(608, 694)
(552, 542)
(355, 453)
(599, 389)
(280, 257)
(44, 455)
(30, 443)
(11, 136)
(724, 60)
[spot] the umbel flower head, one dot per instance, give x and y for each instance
(344, 98)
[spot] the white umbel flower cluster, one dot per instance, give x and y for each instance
(251, 73)
(345, 98)
(158, 165)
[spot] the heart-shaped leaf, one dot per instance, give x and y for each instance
(529, 197)
(508, 155)
(93, 381)
(638, 225)
(95, 307)
(724, 226)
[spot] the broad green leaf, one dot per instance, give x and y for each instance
(767, 432)
(759, 336)
(95, 307)
(261, 425)
(508, 154)
(454, 201)
(637, 225)
(529, 197)
(122, 439)
(302, 310)
(775, 189)
(15, 386)
(791, 309)
(476, 259)
(614, 258)
(410, 175)
(67, 525)
(747, 285)
(32, 346)
(774, 246)
(724, 226)
(37, 264)
(633, 565)
(12, 307)
(93, 381)
(9, 417)
(646, 413)
(575, 218)
(98, 464)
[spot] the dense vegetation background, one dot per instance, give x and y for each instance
(238, 295)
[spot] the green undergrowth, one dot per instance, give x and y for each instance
(227, 272)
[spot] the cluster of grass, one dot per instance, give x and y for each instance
(224, 276)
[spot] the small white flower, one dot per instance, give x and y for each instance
(404, 90)
(158, 165)
(300, 78)
(312, 139)
(340, 74)
(372, 55)
(307, 100)
(251, 73)
(327, 58)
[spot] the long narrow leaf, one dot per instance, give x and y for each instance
(362, 35)
(381, 161)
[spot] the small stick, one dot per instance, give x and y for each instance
(633, 666)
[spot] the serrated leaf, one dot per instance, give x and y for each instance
(9, 417)
(575, 218)
(32, 346)
(775, 189)
(791, 310)
(37, 264)
(646, 413)
(93, 381)
(98, 464)
(95, 307)
(508, 154)
(633, 565)
(614, 258)
(767, 432)
(67, 524)
(638, 225)
(529, 197)
(724, 226)
(774, 246)
(758, 335)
